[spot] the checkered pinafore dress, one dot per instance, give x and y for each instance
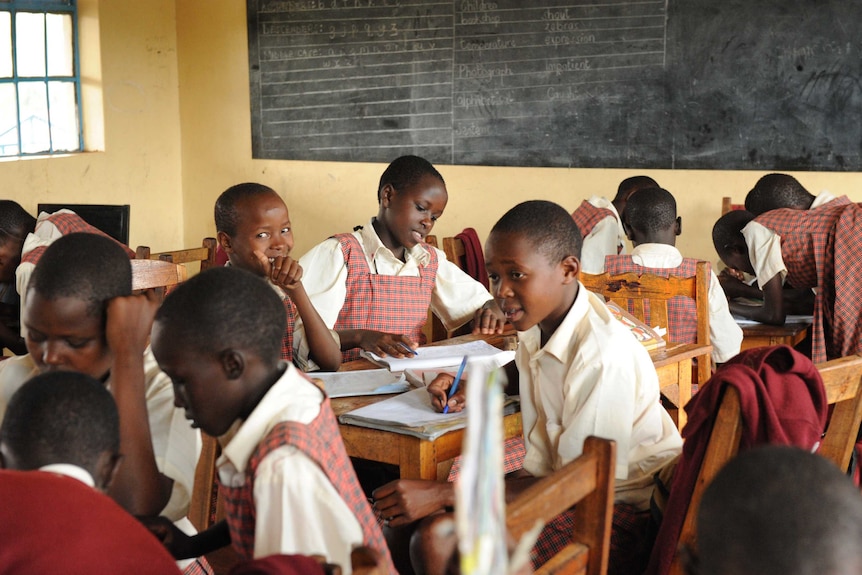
(392, 304)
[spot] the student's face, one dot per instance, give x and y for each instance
(527, 286)
(211, 397)
(409, 214)
(264, 226)
(736, 257)
(10, 257)
(62, 336)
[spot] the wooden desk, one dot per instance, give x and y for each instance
(418, 458)
(762, 334)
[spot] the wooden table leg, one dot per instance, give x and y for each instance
(418, 458)
(684, 379)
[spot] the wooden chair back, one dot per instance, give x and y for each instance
(204, 255)
(156, 274)
(727, 205)
(454, 249)
(842, 379)
(651, 293)
(587, 481)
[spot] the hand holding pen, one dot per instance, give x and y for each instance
(447, 392)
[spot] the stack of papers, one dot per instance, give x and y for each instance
(440, 356)
(365, 382)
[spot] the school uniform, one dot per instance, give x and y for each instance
(50, 227)
(662, 259)
(176, 445)
(602, 232)
(287, 482)
(53, 520)
(592, 377)
(807, 248)
(356, 282)
(821, 199)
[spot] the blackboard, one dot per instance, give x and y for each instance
(708, 84)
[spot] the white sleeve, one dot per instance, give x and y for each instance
(299, 511)
(764, 250)
(324, 275)
(602, 241)
(724, 333)
(176, 444)
(22, 279)
(456, 295)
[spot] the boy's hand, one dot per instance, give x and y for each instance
(732, 285)
(387, 344)
(176, 542)
(284, 271)
(404, 501)
(489, 319)
(130, 319)
(439, 390)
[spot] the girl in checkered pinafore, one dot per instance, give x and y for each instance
(821, 249)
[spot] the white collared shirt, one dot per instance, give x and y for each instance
(70, 470)
(592, 377)
(724, 334)
(455, 298)
(297, 509)
(606, 238)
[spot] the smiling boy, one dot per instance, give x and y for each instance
(374, 286)
(255, 232)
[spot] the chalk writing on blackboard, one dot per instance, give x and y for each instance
(654, 83)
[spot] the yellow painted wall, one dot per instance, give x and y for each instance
(128, 54)
(327, 197)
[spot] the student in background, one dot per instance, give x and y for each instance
(80, 316)
(778, 509)
(374, 286)
(806, 249)
(15, 224)
(59, 451)
(652, 225)
(38, 234)
(285, 476)
(532, 261)
(774, 191)
(600, 223)
(253, 228)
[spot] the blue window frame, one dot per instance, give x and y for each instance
(40, 79)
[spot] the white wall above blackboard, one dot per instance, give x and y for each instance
(708, 84)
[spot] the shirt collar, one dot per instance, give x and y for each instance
(70, 470)
(560, 344)
(663, 251)
(374, 247)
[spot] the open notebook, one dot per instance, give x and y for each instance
(411, 413)
(438, 356)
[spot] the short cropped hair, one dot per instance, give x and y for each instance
(548, 226)
(61, 417)
(225, 308)
(15, 222)
(633, 184)
(405, 171)
(226, 212)
(85, 266)
(774, 191)
(651, 210)
(727, 231)
(780, 509)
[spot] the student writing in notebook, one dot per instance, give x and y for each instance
(651, 223)
(818, 248)
(254, 229)
(59, 452)
(284, 474)
(374, 286)
(579, 373)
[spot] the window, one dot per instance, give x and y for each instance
(40, 87)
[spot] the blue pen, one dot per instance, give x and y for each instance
(454, 387)
(409, 349)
